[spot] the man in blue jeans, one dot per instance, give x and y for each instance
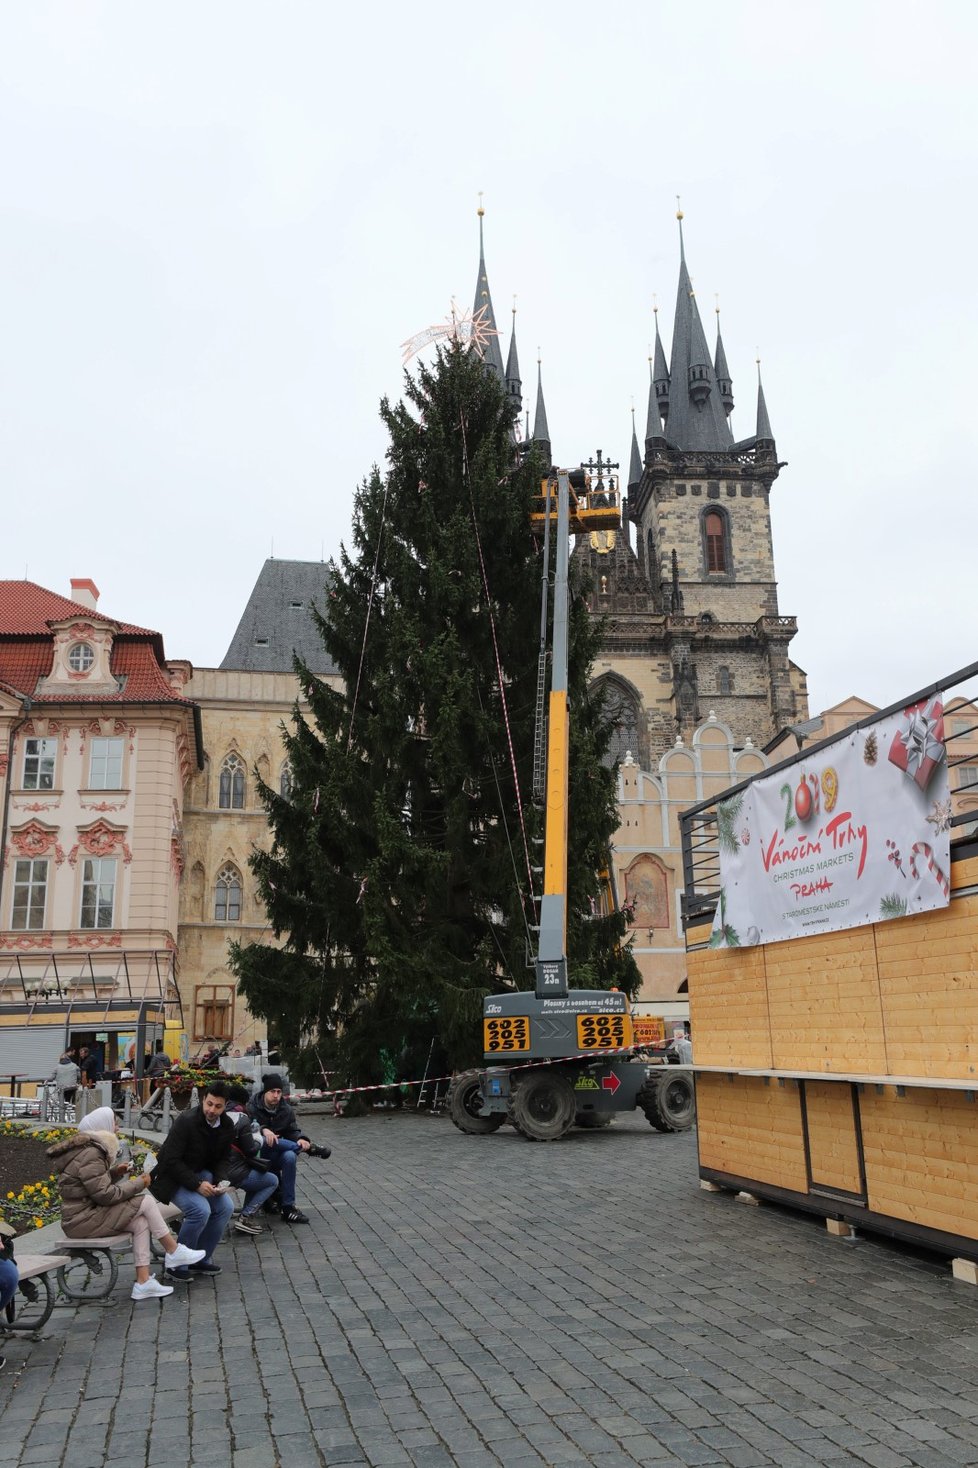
(283, 1141)
(247, 1170)
(192, 1172)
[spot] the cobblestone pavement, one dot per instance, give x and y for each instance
(483, 1301)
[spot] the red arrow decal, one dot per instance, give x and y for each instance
(610, 1083)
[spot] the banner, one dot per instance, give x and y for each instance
(858, 833)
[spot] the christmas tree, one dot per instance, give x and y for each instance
(400, 876)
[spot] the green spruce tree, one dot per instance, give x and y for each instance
(399, 874)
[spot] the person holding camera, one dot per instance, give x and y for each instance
(283, 1142)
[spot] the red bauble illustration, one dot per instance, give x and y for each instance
(803, 801)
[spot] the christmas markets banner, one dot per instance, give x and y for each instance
(858, 833)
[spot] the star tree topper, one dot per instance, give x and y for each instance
(471, 329)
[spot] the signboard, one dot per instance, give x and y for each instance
(603, 1031)
(511, 1033)
(858, 833)
(649, 1029)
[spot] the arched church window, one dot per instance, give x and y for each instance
(232, 785)
(227, 896)
(624, 712)
(715, 534)
(285, 782)
(724, 681)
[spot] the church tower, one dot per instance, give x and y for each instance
(693, 620)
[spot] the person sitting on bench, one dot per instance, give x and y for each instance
(284, 1140)
(98, 1199)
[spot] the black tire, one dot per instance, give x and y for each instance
(669, 1100)
(591, 1121)
(464, 1101)
(544, 1106)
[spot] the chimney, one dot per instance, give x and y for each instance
(84, 592)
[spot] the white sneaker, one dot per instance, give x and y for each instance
(151, 1290)
(182, 1255)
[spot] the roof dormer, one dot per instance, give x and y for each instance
(82, 653)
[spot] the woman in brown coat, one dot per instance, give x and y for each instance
(97, 1198)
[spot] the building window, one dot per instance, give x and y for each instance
(967, 775)
(98, 892)
(81, 657)
(724, 681)
(105, 770)
(39, 759)
(285, 782)
(227, 897)
(232, 786)
(30, 894)
(213, 1012)
(715, 531)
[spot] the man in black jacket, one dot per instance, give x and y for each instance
(190, 1171)
(283, 1141)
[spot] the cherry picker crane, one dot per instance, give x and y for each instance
(559, 1056)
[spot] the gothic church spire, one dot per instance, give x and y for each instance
(493, 354)
(697, 419)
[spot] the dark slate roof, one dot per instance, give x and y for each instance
(653, 421)
(763, 421)
(276, 620)
(541, 432)
(635, 462)
(513, 380)
(690, 426)
(493, 354)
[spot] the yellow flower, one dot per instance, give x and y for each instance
(10, 1195)
(39, 1223)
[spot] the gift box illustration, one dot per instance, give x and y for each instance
(918, 747)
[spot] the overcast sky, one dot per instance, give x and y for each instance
(221, 220)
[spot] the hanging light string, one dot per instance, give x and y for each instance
(495, 644)
(370, 603)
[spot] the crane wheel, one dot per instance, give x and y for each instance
(543, 1106)
(464, 1103)
(668, 1101)
(591, 1121)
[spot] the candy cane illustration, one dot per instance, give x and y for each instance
(932, 866)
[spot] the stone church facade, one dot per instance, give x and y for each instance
(695, 650)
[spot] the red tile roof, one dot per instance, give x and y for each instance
(26, 609)
(27, 649)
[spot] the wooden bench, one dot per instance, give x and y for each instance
(31, 1306)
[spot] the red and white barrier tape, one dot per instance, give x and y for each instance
(339, 1091)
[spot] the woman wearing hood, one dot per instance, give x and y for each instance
(97, 1199)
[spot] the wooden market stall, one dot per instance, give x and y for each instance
(838, 1072)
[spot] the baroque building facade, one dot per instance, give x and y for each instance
(98, 742)
(243, 705)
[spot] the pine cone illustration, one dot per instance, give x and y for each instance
(870, 749)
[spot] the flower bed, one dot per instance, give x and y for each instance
(29, 1194)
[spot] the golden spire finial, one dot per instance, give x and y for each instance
(679, 209)
(655, 308)
(514, 306)
(717, 299)
(480, 211)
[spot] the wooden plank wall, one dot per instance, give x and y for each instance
(921, 1152)
(832, 1145)
(751, 1129)
(895, 998)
